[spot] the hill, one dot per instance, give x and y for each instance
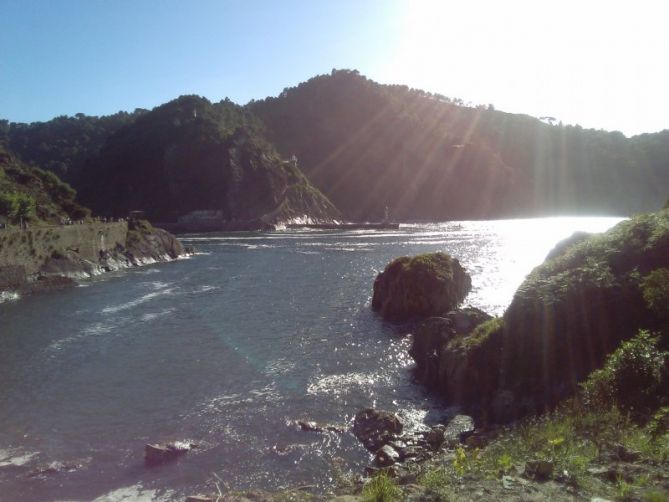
(190, 155)
(425, 156)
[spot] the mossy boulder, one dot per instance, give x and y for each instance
(462, 365)
(420, 286)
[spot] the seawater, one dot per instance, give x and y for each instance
(227, 349)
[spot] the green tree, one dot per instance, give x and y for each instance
(18, 207)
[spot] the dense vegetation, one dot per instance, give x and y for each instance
(29, 194)
(62, 145)
(368, 146)
(189, 155)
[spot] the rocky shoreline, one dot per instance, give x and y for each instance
(52, 258)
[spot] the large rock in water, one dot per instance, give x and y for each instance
(420, 286)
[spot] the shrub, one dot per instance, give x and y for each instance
(655, 288)
(633, 378)
(380, 489)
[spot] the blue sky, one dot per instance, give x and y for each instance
(98, 57)
(597, 63)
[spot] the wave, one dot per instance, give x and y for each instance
(139, 301)
(152, 316)
(15, 457)
(337, 385)
(135, 493)
(9, 296)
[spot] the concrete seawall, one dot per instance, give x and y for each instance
(24, 252)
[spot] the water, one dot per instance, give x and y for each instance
(228, 349)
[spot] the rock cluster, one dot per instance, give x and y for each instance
(382, 434)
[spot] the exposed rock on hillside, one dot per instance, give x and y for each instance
(420, 286)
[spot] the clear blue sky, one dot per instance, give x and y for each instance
(598, 63)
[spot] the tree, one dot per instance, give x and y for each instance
(18, 207)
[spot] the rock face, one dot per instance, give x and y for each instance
(420, 286)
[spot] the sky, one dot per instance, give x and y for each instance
(600, 64)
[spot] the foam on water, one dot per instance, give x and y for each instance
(139, 301)
(9, 296)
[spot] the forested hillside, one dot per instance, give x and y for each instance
(364, 145)
(189, 155)
(367, 146)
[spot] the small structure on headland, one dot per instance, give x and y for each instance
(136, 215)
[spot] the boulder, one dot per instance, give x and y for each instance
(155, 454)
(311, 426)
(459, 355)
(375, 428)
(386, 456)
(420, 286)
(458, 429)
(539, 469)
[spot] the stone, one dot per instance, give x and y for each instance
(465, 320)
(375, 428)
(435, 436)
(155, 454)
(419, 287)
(626, 454)
(458, 429)
(386, 456)
(311, 426)
(539, 469)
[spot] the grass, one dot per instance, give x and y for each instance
(574, 439)
(477, 337)
(381, 488)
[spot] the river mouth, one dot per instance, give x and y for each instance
(228, 349)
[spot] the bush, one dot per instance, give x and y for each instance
(380, 489)
(634, 377)
(655, 288)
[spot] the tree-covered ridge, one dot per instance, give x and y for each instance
(189, 155)
(29, 194)
(368, 146)
(62, 145)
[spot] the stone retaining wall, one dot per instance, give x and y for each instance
(31, 248)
